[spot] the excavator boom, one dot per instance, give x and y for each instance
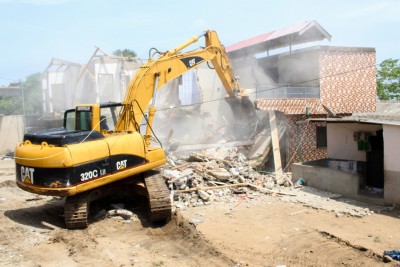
(170, 65)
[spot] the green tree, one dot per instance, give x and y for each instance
(32, 87)
(130, 54)
(388, 79)
(32, 98)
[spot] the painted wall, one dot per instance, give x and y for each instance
(58, 89)
(391, 164)
(327, 179)
(341, 143)
(11, 132)
(345, 183)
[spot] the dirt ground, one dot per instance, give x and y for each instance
(252, 230)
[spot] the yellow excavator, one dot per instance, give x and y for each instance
(101, 144)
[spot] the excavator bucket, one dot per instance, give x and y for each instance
(245, 120)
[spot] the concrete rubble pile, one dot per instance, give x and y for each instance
(226, 175)
(217, 175)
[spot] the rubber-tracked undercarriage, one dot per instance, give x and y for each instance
(150, 184)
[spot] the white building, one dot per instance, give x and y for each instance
(363, 153)
(103, 79)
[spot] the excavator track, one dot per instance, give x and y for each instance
(76, 211)
(159, 198)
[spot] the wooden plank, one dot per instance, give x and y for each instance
(275, 142)
(210, 187)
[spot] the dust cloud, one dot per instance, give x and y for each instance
(205, 115)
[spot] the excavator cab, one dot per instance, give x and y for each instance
(99, 117)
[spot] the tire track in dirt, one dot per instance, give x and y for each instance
(318, 248)
(108, 242)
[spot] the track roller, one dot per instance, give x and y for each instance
(158, 197)
(76, 211)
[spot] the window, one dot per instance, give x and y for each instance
(321, 136)
(69, 119)
(83, 118)
(109, 117)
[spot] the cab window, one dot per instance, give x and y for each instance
(109, 117)
(69, 119)
(83, 118)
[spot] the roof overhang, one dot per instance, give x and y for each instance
(363, 120)
(308, 31)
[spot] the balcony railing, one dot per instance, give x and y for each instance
(287, 91)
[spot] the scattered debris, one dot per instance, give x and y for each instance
(300, 182)
(294, 213)
(393, 254)
(223, 174)
(49, 225)
(123, 213)
(318, 199)
(200, 178)
(8, 155)
(198, 220)
(34, 198)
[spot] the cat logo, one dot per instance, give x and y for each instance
(27, 174)
(192, 62)
(121, 164)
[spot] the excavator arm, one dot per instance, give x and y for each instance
(170, 65)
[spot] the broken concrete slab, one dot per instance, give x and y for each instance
(221, 174)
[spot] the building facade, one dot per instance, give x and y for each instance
(316, 82)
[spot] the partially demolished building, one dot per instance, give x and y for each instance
(102, 79)
(310, 82)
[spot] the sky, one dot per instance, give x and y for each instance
(35, 31)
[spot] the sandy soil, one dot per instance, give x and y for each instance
(259, 230)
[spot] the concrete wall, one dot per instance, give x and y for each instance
(332, 180)
(341, 143)
(212, 93)
(335, 181)
(11, 132)
(391, 164)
